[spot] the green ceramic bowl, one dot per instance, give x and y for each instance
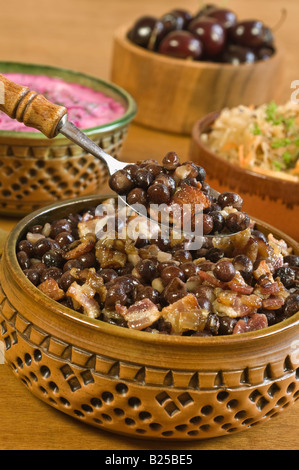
(37, 171)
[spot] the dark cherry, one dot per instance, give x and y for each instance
(171, 22)
(249, 33)
(264, 53)
(204, 11)
(182, 45)
(211, 33)
(141, 32)
(184, 14)
(227, 18)
(236, 55)
(268, 37)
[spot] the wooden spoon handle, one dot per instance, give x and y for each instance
(31, 108)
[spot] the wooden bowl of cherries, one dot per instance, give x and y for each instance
(183, 66)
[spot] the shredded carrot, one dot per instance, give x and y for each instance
(248, 158)
(296, 169)
(228, 146)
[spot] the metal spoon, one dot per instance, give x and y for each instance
(34, 110)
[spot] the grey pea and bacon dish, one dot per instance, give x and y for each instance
(232, 285)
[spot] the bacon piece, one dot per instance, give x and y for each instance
(185, 203)
(272, 288)
(88, 226)
(256, 322)
(273, 303)
(140, 315)
(187, 194)
(238, 284)
(242, 289)
(185, 314)
(84, 296)
(234, 305)
(51, 288)
(87, 244)
(91, 279)
(262, 269)
(211, 279)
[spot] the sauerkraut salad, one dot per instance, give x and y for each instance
(262, 139)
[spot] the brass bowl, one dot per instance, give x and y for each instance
(173, 93)
(36, 171)
(137, 383)
(274, 200)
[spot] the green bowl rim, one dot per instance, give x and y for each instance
(110, 126)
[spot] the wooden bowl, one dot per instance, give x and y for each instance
(137, 383)
(36, 171)
(172, 94)
(267, 198)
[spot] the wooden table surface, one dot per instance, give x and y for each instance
(78, 34)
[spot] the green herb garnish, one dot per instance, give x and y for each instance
(277, 165)
(287, 157)
(270, 111)
(277, 143)
(256, 129)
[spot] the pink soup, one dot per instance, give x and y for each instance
(86, 107)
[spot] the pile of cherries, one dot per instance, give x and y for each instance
(213, 34)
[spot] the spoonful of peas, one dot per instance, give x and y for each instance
(144, 184)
